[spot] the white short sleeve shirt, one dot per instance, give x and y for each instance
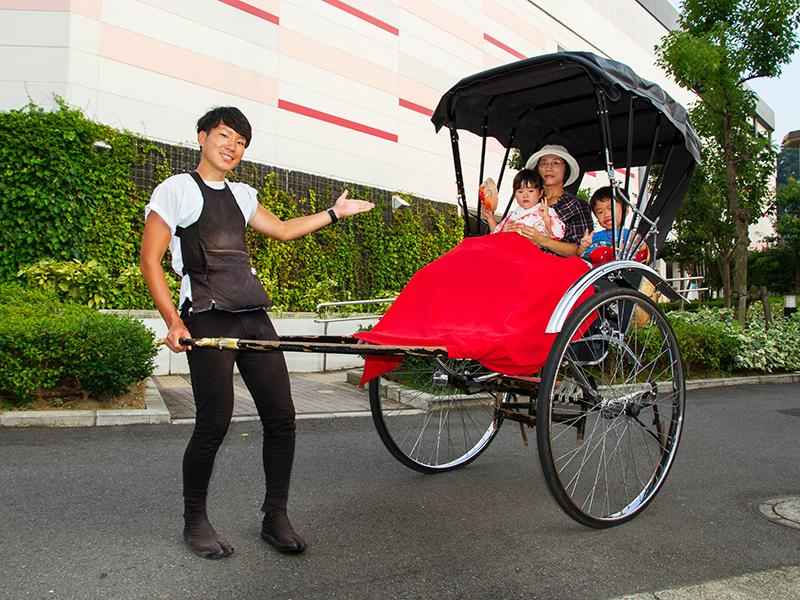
(179, 202)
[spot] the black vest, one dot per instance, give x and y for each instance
(215, 255)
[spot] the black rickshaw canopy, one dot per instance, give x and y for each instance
(599, 109)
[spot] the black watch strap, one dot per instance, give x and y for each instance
(332, 213)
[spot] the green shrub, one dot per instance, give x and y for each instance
(769, 350)
(91, 284)
(708, 341)
(43, 341)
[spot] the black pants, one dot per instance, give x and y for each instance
(267, 379)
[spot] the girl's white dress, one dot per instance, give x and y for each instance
(532, 217)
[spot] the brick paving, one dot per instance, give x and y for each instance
(313, 393)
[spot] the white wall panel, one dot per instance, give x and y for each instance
(383, 118)
(84, 70)
(426, 42)
(34, 28)
(323, 68)
(33, 64)
(313, 87)
(346, 33)
(334, 151)
(15, 95)
(221, 44)
(385, 10)
(84, 34)
(426, 74)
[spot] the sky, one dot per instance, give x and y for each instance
(780, 93)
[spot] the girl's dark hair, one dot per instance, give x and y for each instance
(528, 177)
(604, 194)
(230, 116)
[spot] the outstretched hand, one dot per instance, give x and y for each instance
(586, 240)
(347, 207)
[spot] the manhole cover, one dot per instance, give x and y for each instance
(784, 510)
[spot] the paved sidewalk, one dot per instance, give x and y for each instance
(315, 395)
(329, 393)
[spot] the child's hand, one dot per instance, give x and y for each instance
(488, 215)
(544, 212)
(586, 241)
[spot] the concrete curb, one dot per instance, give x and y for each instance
(777, 584)
(697, 384)
(156, 412)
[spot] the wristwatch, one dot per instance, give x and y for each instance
(332, 213)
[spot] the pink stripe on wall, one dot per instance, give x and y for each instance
(418, 93)
(502, 46)
(50, 5)
(336, 61)
(250, 9)
(158, 57)
(91, 9)
(416, 107)
(516, 22)
(334, 120)
(444, 20)
(363, 16)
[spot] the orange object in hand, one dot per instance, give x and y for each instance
(487, 193)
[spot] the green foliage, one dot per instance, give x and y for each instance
(62, 199)
(788, 165)
(707, 339)
(44, 341)
(713, 344)
(71, 221)
(90, 283)
(768, 350)
(787, 225)
(356, 259)
(773, 267)
(718, 47)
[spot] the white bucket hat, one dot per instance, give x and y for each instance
(560, 151)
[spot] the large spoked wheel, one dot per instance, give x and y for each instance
(610, 408)
(434, 414)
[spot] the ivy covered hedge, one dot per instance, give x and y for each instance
(45, 342)
(71, 220)
(713, 344)
(61, 198)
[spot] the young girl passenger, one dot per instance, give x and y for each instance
(531, 209)
(597, 247)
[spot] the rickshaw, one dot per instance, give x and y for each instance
(608, 405)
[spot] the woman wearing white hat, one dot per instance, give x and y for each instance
(558, 168)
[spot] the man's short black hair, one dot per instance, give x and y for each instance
(230, 116)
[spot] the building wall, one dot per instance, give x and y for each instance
(334, 88)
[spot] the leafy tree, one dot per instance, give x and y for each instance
(704, 234)
(787, 223)
(719, 46)
(788, 164)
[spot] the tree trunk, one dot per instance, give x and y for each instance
(741, 218)
(724, 265)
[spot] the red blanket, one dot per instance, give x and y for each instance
(489, 299)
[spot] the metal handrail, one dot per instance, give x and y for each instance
(325, 305)
(349, 303)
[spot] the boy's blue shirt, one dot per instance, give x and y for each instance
(602, 239)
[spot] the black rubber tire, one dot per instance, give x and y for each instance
(610, 409)
(426, 422)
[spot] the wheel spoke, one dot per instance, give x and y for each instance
(433, 416)
(610, 408)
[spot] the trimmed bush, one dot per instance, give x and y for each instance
(708, 341)
(44, 341)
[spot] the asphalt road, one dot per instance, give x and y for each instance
(96, 513)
